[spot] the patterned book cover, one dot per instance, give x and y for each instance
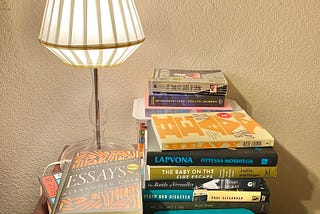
(101, 182)
(209, 130)
(255, 156)
(50, 185)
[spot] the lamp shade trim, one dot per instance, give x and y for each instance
(89, 47)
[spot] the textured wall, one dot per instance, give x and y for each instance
(269, 51)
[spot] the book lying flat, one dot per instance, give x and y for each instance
(209, 130)
(208, 211)
(204, 207)
(259, 156)
(188, 81)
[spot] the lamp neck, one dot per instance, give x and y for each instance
(97, 108)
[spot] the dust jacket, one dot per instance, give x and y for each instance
(101, 182)
(209, 130)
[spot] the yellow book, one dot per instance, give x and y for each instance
(209, 130)
(209, 172)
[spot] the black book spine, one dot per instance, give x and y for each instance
(214, 157)
(251, 184)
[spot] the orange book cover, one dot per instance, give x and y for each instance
(101, 182)
(209, 130)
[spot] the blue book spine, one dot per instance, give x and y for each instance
(167, 195)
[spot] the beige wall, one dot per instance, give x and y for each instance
(269, 51)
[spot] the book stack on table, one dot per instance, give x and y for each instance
(205, 160)
(183, 91)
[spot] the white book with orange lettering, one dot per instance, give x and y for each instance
(209, 130)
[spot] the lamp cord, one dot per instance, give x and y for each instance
(44, 172)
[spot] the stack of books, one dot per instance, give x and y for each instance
(183, 91)
(207, 160)
(200, 159)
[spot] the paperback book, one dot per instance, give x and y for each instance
(101, 182)
(188, 81)
(50, 185)
(171, 109)
(185, 100)
(258, 156)
(209, 130)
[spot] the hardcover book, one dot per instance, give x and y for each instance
(101, 182)
(185, 100)
(261, 194)
(188, 81)
(208, 211)
(209, 130)
(258, 156)
(154, 206)
(209, 172)
(216, 184)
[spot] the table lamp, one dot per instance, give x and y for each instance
(92, 34)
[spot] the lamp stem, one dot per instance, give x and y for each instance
(97, 108)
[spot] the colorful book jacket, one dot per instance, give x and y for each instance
(50, 185)
(188, 81)
(209, 130)
(101, 182)
(185, 100)
(251, 184)
(258, 156)
(209, 172)
(154, 206)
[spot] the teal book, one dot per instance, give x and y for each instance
(205, 195)
(208, 211)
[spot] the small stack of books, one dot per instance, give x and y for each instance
(183, 91)
(207, 160)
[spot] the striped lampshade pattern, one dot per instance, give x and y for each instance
(91, 33)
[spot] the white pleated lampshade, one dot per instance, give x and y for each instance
(91, 33)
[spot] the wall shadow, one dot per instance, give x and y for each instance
(294, 189)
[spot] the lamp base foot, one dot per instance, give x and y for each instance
(108, 144)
